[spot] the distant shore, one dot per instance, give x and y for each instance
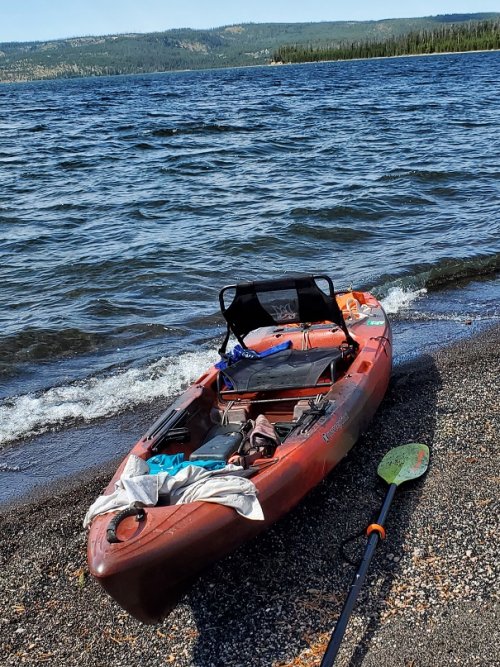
(431, 594)
(244, 67)
(405, 55)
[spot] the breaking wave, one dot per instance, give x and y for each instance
(399, 299)
(32, 414)
(440, 275)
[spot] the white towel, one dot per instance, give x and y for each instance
(226, 486)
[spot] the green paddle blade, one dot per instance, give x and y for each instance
(404, 463)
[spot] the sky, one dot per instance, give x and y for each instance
(30, 20)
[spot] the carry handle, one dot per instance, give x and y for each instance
(111, 535)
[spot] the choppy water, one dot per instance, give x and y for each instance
(127, 202)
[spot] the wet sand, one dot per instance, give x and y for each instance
(432, 591)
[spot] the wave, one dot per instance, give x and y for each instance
(341, 234)
(165, 132)
(449, 271)
(426, 175)
(43, 344)
(46, 344)
(144, 146)
(367, 212)
(31, 414)
(5, 467)
(433, 277)
(399, 299)
(76, 164)
(38, 128)
(202, 128)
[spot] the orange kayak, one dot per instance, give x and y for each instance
(318, 391)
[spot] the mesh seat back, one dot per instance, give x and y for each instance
(284, 301)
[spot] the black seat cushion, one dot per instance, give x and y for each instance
(288, 369)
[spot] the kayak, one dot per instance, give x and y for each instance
(273, 417)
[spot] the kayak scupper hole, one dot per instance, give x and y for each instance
(364, 366)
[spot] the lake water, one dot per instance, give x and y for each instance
(126, 203)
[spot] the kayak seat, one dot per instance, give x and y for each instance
(288, 369)
(269, 303)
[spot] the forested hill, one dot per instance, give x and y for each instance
(229, 46)
(469, 36)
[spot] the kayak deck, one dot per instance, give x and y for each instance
(318, 419)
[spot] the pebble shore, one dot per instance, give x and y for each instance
(431, 597)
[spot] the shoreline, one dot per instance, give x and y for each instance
(118, 433)
(403, 55)
(268, 64)
(274, 601)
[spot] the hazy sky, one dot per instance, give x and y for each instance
(24, 20)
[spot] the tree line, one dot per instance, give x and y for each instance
(470, 36)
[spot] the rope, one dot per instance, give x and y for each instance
(342, 550)
(372, 526)
(306, 343)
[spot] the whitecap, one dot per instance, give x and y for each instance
(399, 299)
(32, 414)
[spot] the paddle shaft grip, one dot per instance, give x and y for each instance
(356, 584)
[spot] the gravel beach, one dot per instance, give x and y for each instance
(432, 592)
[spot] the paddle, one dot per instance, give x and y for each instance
(399, 465)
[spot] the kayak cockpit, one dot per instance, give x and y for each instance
(300, 347)
(295, 349)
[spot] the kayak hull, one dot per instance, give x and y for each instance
(160, 556)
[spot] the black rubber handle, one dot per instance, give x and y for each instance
(138, 512)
